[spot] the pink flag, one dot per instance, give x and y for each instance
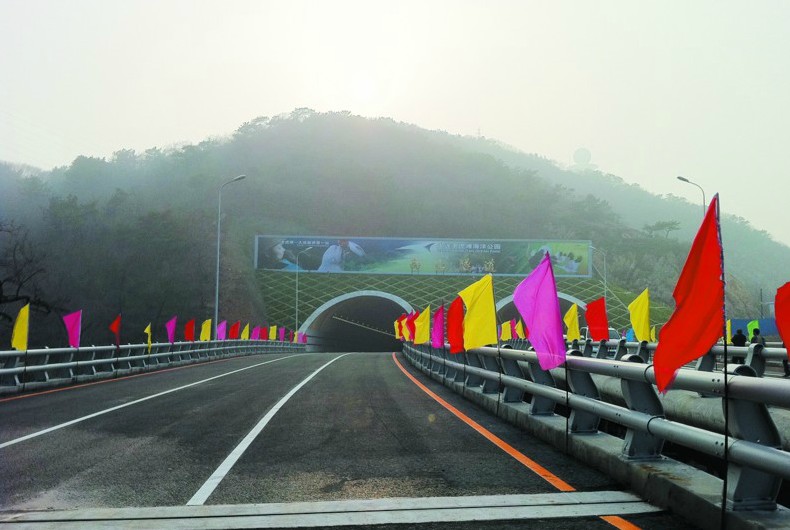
(536, 300)
(437, 333)
(256, 333)
(73, 322)
(222, 328)
(282, 334)
(513, 329)
(170, 326)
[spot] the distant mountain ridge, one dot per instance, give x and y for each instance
(133, 233)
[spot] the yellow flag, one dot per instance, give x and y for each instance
(506, 333)
(147, 331)
(245, 333)
(653, 336)
(480, 318)
(398, 334)
(272, 332)
(729, 331)
(21, 326)
(571, 320)
(640, 315)
(520, 330)
(422, 327)
(205, 330)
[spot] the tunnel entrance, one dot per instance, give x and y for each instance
(362, 320)
(358, 321)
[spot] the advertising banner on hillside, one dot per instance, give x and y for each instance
(381, 255)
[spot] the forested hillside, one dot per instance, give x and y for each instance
(135, 233)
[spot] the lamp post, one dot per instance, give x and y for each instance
(687, 181)
(219, 221)
(604, 268)
(296, 302)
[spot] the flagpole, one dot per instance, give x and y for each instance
(498, 351)
(723, 522)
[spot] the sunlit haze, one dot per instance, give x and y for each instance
(653, 89)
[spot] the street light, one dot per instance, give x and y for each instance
(604, 268)
(296, 303)
(684, 179)
(219, 221)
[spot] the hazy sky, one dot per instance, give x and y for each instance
(654, 89)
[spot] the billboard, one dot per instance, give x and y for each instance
(384, 255)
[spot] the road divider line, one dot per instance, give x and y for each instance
(208, 487)
(533, 466)
(542, 472)
(135, 402)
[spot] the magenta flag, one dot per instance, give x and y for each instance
(170, 326)
(513, 331)
(437, 333)
(256, 333)
(536, 300)
(222, 330)
(73, 322)
(282, 334)
(304, 338)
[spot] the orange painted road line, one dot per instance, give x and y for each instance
(533, 466)
(83, 385)
(542, 472)
(619, 522)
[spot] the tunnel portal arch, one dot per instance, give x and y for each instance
(359, 320)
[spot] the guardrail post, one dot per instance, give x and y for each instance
(582, 384)
(622, 350)
(511, 368)
(539, 405)
(473, 360)
(460, 375)
(755, 359)
(643, 352)
(749, 489)
(641, 396)
(603, 350)
(588, 348)
(492, 365)
(707, 362)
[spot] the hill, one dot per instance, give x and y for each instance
(135, 233)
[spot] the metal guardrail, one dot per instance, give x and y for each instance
(757, 462)
(35, 369)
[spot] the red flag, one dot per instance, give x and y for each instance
(698, 319)
(410, 325)
(234, 331)
(455, 326)
(597, 321)
(782, 312)
(115, 327)
(400, 321)
(189, 331)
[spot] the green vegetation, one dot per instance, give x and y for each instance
(135, 233)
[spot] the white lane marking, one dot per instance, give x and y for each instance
(112, 409)
(224, 468)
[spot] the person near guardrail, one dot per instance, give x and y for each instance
(757, 338)
(739, 339)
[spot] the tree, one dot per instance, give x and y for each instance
(662, 226)
(21, 272)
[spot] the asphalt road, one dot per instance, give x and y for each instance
(359, 429)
